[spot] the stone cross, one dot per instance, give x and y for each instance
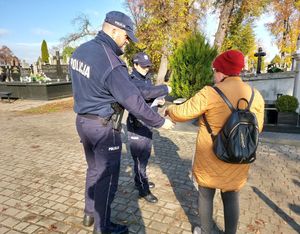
(31, 68)
(8, 72)
(259, 54)
(58, 65)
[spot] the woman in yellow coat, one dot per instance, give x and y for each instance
(210, 172)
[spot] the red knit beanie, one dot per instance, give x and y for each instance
(230, 63)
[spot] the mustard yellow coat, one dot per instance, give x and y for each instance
(208, 170)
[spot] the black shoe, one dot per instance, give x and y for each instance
(151, 185)
(88, 220)
(114, 229)
(149, 198)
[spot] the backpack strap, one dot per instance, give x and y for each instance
(228, 104)
(208, 127)
(224, 98)
(248, 102)
(251, 99)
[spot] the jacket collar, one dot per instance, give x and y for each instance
(138, 75)
(103, 37)
(236, 78)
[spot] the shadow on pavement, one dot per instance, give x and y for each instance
(290, 221)
(296, 182)
(126, 207)
(294, 207)
(177, 171)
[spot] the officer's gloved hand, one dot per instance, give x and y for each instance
(169, 89)
(168, 124)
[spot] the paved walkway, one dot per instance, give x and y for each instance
(42, 173)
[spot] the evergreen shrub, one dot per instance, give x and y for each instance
(44, 52)
(191, 66)
(287, 103)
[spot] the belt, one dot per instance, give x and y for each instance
(103, 121)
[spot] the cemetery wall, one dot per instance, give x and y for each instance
(272, 84)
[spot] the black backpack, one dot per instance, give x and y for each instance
(238, 139)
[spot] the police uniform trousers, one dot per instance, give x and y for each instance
(140, 143)
(102, 146)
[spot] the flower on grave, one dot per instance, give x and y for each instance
(39, 77)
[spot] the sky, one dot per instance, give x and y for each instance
(25, 24)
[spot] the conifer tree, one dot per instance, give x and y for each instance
(191, 66)
(45, 53)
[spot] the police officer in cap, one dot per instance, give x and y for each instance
(101, 90)
(139, 133)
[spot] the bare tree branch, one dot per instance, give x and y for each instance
(84, 26)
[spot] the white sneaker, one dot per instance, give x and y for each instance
(197, 230)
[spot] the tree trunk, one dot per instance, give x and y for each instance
(163, 67)
(224, 20)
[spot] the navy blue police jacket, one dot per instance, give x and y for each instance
(100, 78)
(147, 89)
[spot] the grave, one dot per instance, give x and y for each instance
(25, 72)
(37, 91)
(57, 71)
(3, 73)
(20, 82)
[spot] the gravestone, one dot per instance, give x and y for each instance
(25, 72)
(3, 73)
(50, 71)
(15, 73)
(57, 58)
(57, 71)
(35, 68)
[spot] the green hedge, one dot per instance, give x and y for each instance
(287, 103)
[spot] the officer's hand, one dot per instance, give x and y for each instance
(168, 124)
(166, 112)
(161, 102)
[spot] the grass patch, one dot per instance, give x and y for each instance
(50, 108)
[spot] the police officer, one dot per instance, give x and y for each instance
(139, 133)
(101, 89)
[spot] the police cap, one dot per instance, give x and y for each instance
(122, 21)
(142, 59)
